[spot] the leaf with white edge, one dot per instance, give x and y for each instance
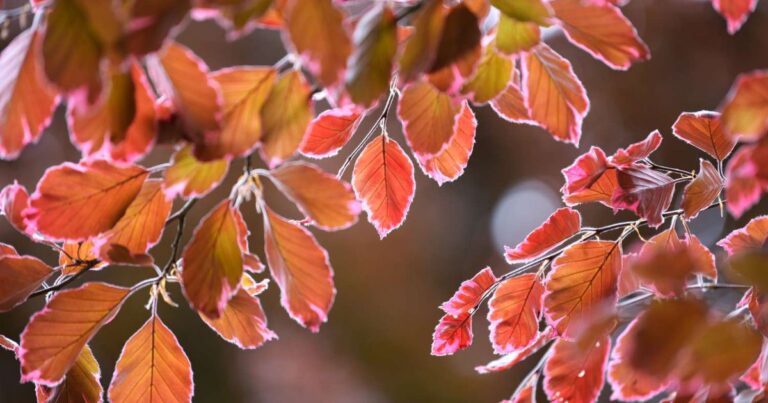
(704, 131)
(639, 151)
(513, 313)
(370, 66)
(510, 105)
(735, 12)
(14, 199)
(19, 277)
(459, 39)
(561, 225)
(189, 177)
(452, 334)
(81, 384)
(513, 36)
(745, 109)
(450, 163)
(702, 191)
(243, 322)
(751, 236)
(574, 373)
(469, 293)
(285, 116)
(330, 131)
(492, 75)
(429, 117)
(510, 360)
(644, 191)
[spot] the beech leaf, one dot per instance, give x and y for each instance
(513, 313)
(450, 163)
(429, 117)
(285, 116)
(189, 177)
(704, 131)
(370, 66)
(561, 225)
(330, 131)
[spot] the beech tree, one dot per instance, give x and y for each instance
(350, 69)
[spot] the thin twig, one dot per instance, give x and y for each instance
(89, 264)
(666, 168)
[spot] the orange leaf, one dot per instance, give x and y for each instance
(285, 117)
(213, 260)
(243, 322)
(27, 103)
(573, 374)
(510, 360)
(513, 36)
(553, 94)
(421, 46)
(80, 253)
(245, 90)
(81, 384)
(735, 12)
(139, 229)
(704, 131)
(55, 336)
(510, 105)
(745, 109)
(452, 333)
(513, 312)
(19, 277)
(301, 269)
(14, 199)
(450, 163)
(326, 45)
(751, 236)
(370, 66)
(383, 181)
(702, 190)
(561, 225)
(601, 30)
(626, 383)
(469, 293)
(330, 131)
(191, 177)
(326, 200)
(582, 277)
(74, 202)
(429, 117)
(152, 367)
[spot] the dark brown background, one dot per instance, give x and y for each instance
(375, 346)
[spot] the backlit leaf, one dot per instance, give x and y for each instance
(421, 46)
(513, 313)
(735, 12)
(644, 191)
(300, 268)
(452, 334)
(243, 322)
(74, 202)
(370, 66)
(626, 383)
(19, 277)
(429, 117)
(704, 131)
(326, 200)
(641, 150)
(285, 116)
(510, 360)
(583, 276)
(55, 336)
(75, 256)
(189, 177)
(513, 36)
(574, 374)
(510, 105)
(554, 95)
(469, 293)
(383, 181)
(745, 110)
(152, 367)
(561, 225)
(81, 384)
(14, 199)
(492, 75)
(27, 101)
(702, 191)
(751, 236)
(450, 163)
(536, 11)
(330, 131)
(213, 260)
(460, 37)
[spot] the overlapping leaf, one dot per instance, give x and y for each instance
(421, 47)
(702, 191)
(469, 293)
(460, 37)
(370, 66)
(81, 384)
(450, 163)
(537, 11)
(285, 116)
(513, 313)
(429, 117)
(510, 360)
(492, 75)
(243, 321)
(576, 373)
(751, 236)
(513, 36)
(452, 333)
(19, 277)
(330, 131)
(189, 177)
(704, 131)
(644, 191)
(641, 150)
(151, 21)
(561, 225)
(14, 199)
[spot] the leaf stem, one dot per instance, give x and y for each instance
(89, 264)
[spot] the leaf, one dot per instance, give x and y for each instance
(536, 11)
(704, 131)
(383, 181)
(491, 76)
(74, 202)
(561, 225)
(19, 277)
(55, 336)
(646, 192)
(513, 313)
(213, 260)
(526, 393)
(81, 384)
(510, 105)
(330, 131)
(602, 31)
(450, 163)
(245, 89)
(626, 383)
(243, 322)
(327, 201)
(573, 374)
(429, 117)
(702, 258)
(584, 171)
(751, 236)
(452, 334)
(469, 293)
(370, 66)
(27, 101)
(702, 190)
(326, 45)
(665, 268)
(14, 198)
(189, 177)
(151, 22)
(139, 229)
(459, 38)
(152, 367)
(75, 256)
(641, 150)
(745, 109)
(123, 126)
(285, 116)
(510, 360)
(735, 12)
(584, 275)
(513, 36)
(554, 95)
(300, 268)
(421, 46)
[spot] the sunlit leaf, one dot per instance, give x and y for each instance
(469, 293)
(537, 11)
(513, 36)
(641, 150)
(745, 110)
(561, 225)
(751, 236)
(243, 322)
(81, 384)
(14, 199)
(646, 192)
(429, 117)
(19, 277)
(510, 105)
(460, 37)
(513, 313)
(704, 131)
(421, 46)
(285, 116)
(510, 360)
(370, 66)
(189, 177)
(492, 75)
(735, 12)
(330, 131)
(574, 374)
(702, 191)
(452, 333)
(76, 256)
(450, 163)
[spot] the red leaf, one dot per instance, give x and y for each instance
(300, 268)
(601, 30)
(743, 188)
(627, 383)
(553, 94)
(735, 12)
(583, 276)
(561, 225)
(81, 384)
(702, 191)
(510, 360)
(625, 157)
(383, 181)
(745, 109)
(429, 117)
(704, 258)
(19, 277)
(152, 367)
(469, 293)
(13, 200)
(243, 322)
(213, 260)
(189, 177)
(584, 172)
(330, 131)
(74, 202)
(55, 336)
(27, 103)
(450, 163)
(751, 236)
(526, 394)
(285, 116)
(573, 374)
(513, 313)
(326, 200)
(646, 192)
(704, 131)
(452, 334)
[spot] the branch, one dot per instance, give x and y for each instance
(89, 264)
(181, 216)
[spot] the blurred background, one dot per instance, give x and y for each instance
(375, 346)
